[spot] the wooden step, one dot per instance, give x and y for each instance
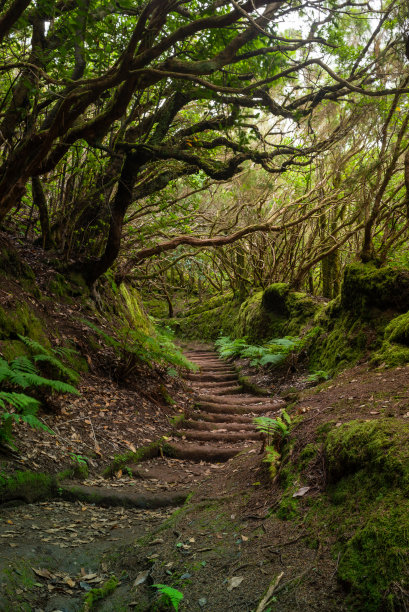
(212, 426)
(198, 452)
(239, 409)
(221, 436)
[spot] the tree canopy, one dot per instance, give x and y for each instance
(120, 122)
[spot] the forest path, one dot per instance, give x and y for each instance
(221, 424)
(55, 551)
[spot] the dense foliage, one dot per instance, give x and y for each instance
(275, 131)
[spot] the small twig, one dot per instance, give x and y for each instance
(336, 567)
(285, 543)
(97, 447)
(267, 597)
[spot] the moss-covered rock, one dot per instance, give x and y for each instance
(366, 288)
(368, 469)
(27, 487)
(210, 322)
(379, 446)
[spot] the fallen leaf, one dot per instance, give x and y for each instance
(44, 573)
(141, 577)
(89, 576)
(244, 538)
(301, 492)
(234, 582)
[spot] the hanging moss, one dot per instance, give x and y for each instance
(135, 312)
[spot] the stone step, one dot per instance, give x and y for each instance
(220, 381)
(210, 377)
(218, 391)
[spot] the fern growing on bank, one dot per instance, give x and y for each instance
(51, 357)
(272, 353)
(22, 374)
(133, 346)
(169, 595)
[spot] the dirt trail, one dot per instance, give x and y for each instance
(50, 549)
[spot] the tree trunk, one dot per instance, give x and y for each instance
(40, 202)
(92, 270)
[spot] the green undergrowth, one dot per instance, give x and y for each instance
(27, 487)
(143, 453)
(97, 594)
(272, 353)
(25, 383)
(369, 319)
(364, 508)
(206, 321)
(134, 346)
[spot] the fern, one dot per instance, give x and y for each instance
(40, 354)
(170, 595)
(134, 346)
(276, 429)
(22, 373)
(271, 354)
(58, 365)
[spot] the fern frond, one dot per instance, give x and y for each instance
(58, 365)
(23, 364)
(20, 401)
(33, 345)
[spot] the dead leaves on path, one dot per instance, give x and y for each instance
(62, 581)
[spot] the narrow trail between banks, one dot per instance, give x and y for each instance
(69, 539)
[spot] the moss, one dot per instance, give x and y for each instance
(136, 314)
(308, 453)
(398, 330)
(250, 387)
(145, 452)
(375, 558)
(256, 323)
(177, 420)
(380, 446)
(59, 286)
(391, 355)
(214, 302)
(20, 319)
(11, 264)
(275, 298)
(287, 509)
(208, 324)
(27, 486)
(395, 347)
(366, 288)
(96, 595)
(166, 396)
(367, 510)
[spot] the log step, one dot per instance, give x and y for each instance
(198, 452)
(222, 417)
(238, 409)
(222, 436)
(212, 426)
